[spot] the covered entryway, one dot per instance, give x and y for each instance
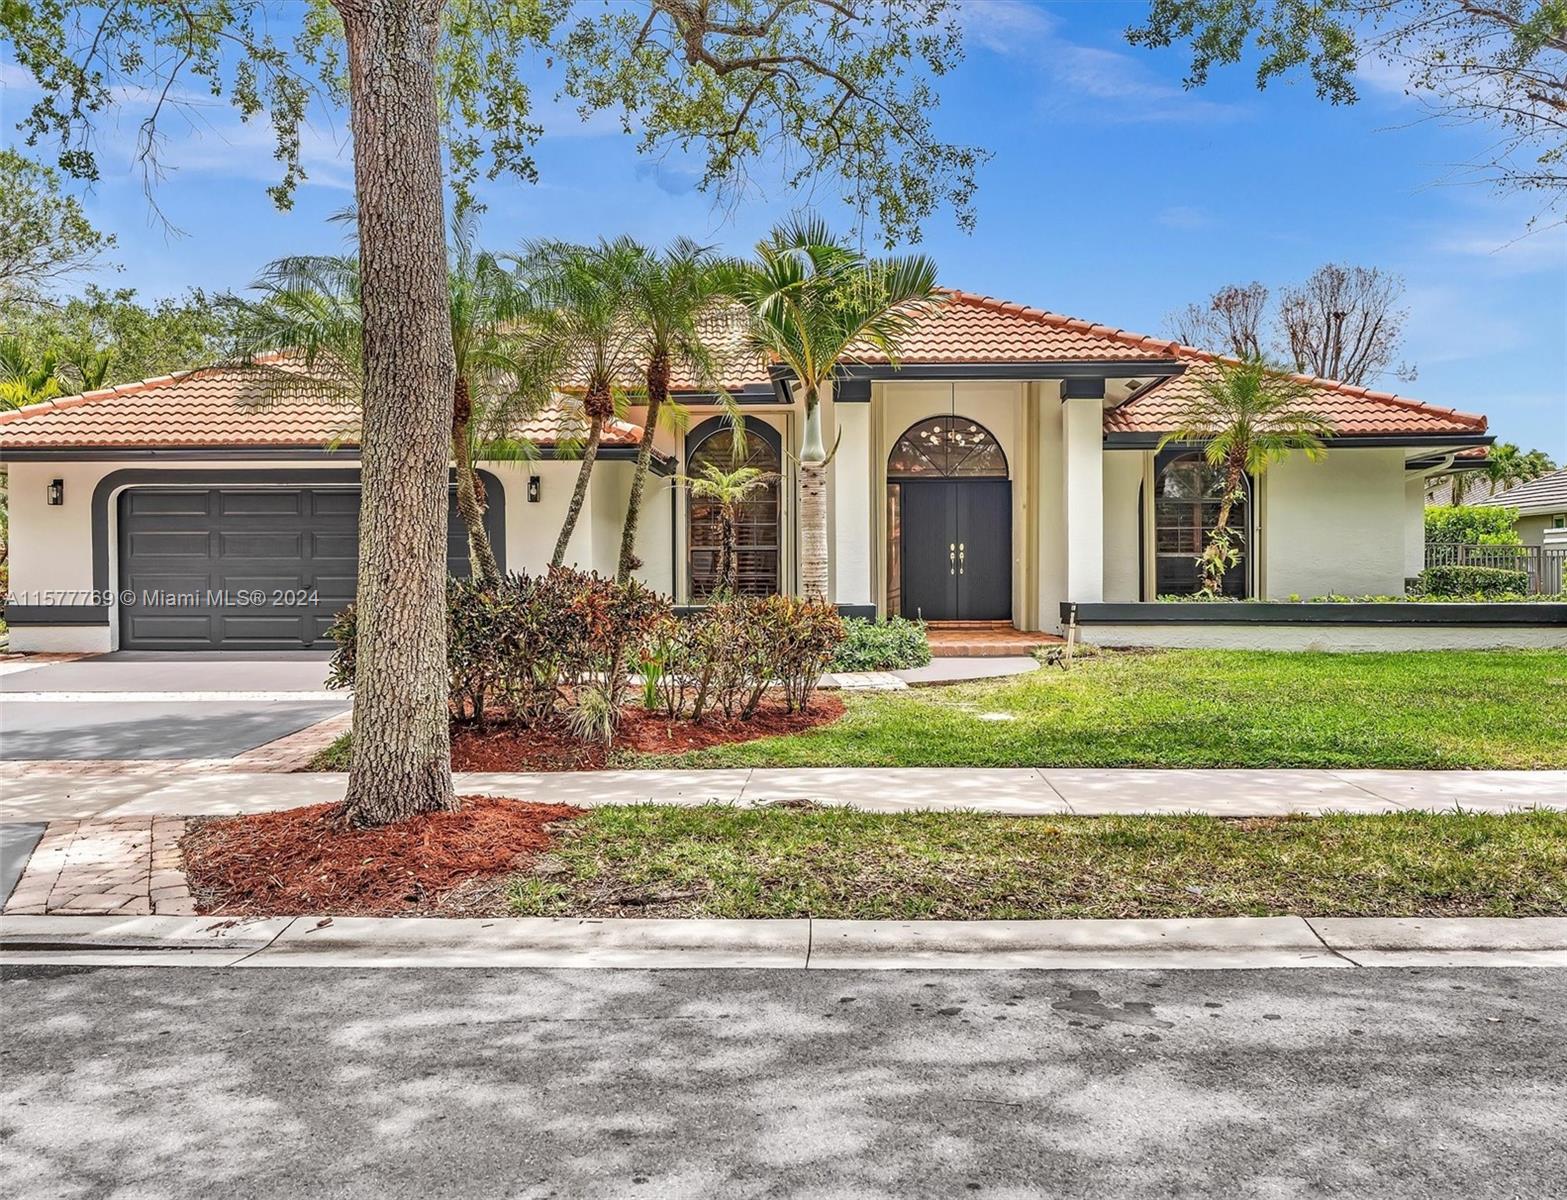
(950, 522)
(246, 568)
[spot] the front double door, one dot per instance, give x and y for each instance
(957, 549)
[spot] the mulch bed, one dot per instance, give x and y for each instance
(549, 748)
(304, 860)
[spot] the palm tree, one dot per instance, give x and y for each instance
(670, 295)
(1248, 416)
(25, 380)
(729, 490)
(1508, 466)
(815, 301)
(581, 303)
(310, 304)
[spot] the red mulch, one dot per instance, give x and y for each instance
(505, 748)
(304, 860)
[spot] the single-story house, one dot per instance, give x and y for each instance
(1541, 505)
(1008, 464)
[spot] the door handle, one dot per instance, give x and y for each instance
(952, 558)
(961, 557)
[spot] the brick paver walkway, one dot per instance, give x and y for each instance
(127, 866)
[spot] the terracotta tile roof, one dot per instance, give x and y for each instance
(971, 328)
(968, 328)
(231, 406)
(1351, 410)
(228, 406)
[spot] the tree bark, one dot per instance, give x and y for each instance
(580, 492)
(814, 562)
(401, 761)
(657, 393)
(470, 503)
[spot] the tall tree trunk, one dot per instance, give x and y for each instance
(402, 752)
(580, 492)
(470, 499)
(657, 393)
(1214, 569)
(730, 551)
(814, 562)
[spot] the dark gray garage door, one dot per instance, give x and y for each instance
(256, 568)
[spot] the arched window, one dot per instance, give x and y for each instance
(947, 447)
(757, 573)
(1187, 496)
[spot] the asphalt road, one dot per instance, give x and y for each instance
(304, 1083)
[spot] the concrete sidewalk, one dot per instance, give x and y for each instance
(48, 796)
(1211, 943)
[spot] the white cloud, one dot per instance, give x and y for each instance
(1088, 82)
(1184, 216)
(1508, 250)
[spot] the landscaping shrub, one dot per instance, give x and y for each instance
(1480, 583)
(531, 644)
(1471, 525)
(891, 645)
(727, 656)
(562, 646)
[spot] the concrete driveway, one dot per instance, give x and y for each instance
(138, 705)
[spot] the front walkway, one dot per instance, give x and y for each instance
(36, 795)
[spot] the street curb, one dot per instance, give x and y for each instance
(568, 942)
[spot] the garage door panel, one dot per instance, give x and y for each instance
(334, 547)
(336, 504)
(171, 544)
(249, 544)
(188, 553)
(264, 503)
(148, 503)
(283, 629)
(177, 630)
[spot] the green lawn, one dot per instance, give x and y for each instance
(715, 861)
(1203, 709)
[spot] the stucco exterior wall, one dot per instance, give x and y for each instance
(1531, 529)
(1335, 526)
(51, 546)
(1123, 551)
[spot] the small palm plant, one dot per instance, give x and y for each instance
(580, 301)
(728, 490)
(1247, 416)
(671, 294)
(815, 302)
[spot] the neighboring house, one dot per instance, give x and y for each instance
(1006, 466)
(1541, 505)
(1474, 486)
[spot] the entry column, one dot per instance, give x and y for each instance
(1082, 422)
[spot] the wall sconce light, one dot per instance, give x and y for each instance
(533, 489)
(55, 492)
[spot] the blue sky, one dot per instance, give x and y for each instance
(1114, 195)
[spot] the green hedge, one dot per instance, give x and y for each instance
(1471, 525)
(891, 645)
(1482, 583)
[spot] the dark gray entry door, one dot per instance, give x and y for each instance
(957, 549)
(242, 568)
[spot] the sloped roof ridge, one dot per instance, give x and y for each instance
(1180, 350)
(130, 389)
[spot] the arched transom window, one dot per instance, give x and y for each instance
(947, 448)
(757, 530)
(1187, 495)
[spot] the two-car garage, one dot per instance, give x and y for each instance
(243, 568)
